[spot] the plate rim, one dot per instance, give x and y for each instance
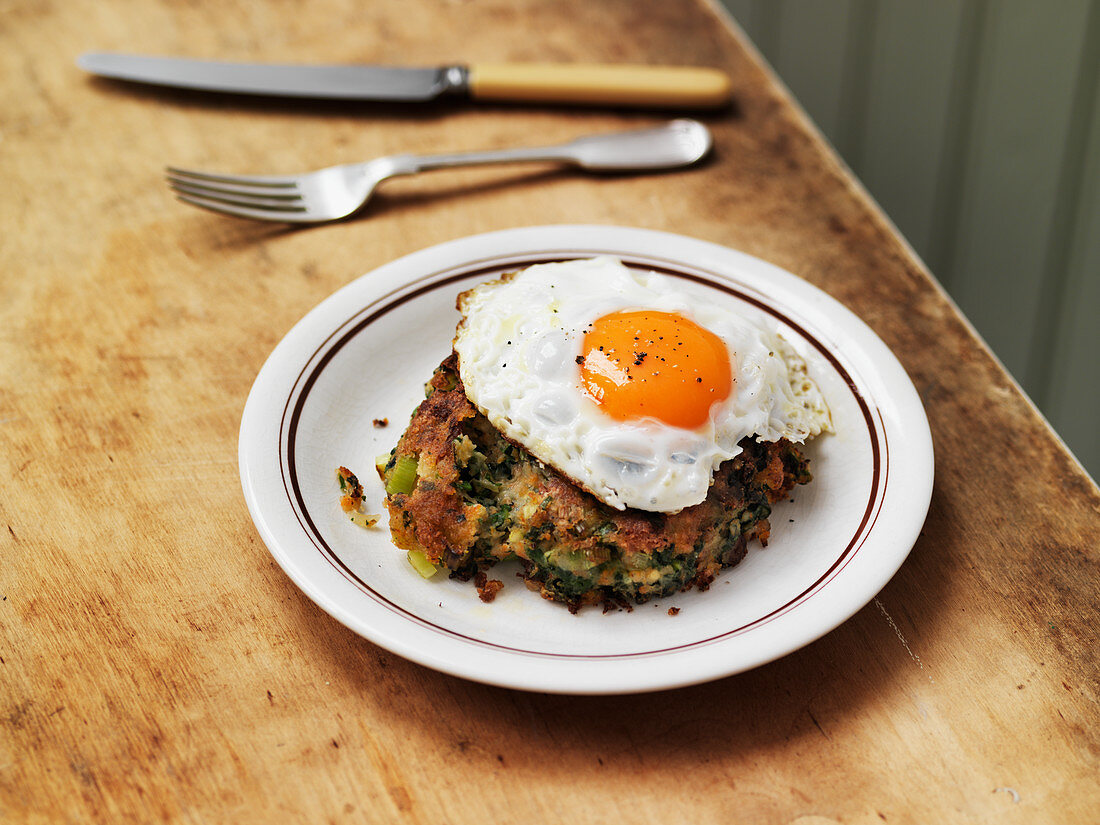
(557, 242)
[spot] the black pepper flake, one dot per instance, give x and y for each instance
(580, 359)
(698, 380)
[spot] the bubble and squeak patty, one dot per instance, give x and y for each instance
(462, 497)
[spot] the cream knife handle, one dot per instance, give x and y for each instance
(621, 85)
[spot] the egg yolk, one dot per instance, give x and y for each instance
(651, 364)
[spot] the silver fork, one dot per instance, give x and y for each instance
(339, 191)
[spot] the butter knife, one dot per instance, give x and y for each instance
(605, 84)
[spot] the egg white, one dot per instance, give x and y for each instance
(518, 345)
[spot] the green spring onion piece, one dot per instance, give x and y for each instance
(381, 461)
(403, 477)
(421, 564)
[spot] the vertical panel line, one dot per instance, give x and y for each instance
(951, 178)
(1066, 216)
(767, 17)
(856, 82)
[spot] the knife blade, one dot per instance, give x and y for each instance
(618, 84)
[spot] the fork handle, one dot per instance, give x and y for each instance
(616, 85)
(676, 143)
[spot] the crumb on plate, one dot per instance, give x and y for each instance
(351, 498)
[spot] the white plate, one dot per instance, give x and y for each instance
(366, 352)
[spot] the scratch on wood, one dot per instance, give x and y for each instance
(1011, 792)
(901, 638)
(816, 723)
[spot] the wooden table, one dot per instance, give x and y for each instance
(157, 665)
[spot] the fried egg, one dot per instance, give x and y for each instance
(631, 387)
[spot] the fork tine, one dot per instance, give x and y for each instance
(212, 185)
(242, 180)
(244, 195)
(300, 216)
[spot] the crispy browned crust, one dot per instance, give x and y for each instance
(443, 519)
(438, 519)
(352, 490)
(487, 588)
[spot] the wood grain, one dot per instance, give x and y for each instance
(157, 666)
